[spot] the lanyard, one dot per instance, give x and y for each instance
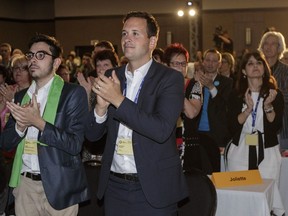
(254, 113)
(138, 92)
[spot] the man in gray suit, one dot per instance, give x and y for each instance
(47, 126)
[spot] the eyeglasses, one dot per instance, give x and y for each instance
(39, 55)
(18, 68)
(4, 50)
(177, 64)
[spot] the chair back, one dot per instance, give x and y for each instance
(202, 200)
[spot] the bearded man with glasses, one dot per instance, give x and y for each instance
(47, 126)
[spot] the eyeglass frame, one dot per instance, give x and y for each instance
(177, 64)
(19, 68)
(35, 55)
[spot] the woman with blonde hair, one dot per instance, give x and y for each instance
(227, 65)
(22, 79)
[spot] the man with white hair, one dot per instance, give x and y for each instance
(272, 45)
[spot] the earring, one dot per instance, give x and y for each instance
(244, 76)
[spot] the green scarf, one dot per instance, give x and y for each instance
(49, 116)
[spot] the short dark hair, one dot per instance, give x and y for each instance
(152, 25)
(54, 45)
(88, 54)
(105, 44)
(106, 54)
(159, 52)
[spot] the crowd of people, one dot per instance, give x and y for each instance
(151, 123)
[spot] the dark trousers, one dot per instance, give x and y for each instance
(126, 198)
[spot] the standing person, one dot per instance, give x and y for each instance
(102, 45)
(139, 104)
(20, 75)
(284, 58)
(3, 176)
(6, 53)
(64, 72)
(158, 54)
(226, 43)
(272, 45)
(223, 41)
(256, 112)
(103, 60)
(86, 65)
(22, 79)
(212, 122)
(227, 67)
(176, 57)
(48, 130)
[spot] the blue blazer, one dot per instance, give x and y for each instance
(153, 120)
(62, 172)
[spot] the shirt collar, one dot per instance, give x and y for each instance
(45, 88)
(143, 70)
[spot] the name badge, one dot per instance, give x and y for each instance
(124, 147)
(236, 178)
(30, 147)
(251, 139)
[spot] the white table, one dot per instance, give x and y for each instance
(283, 183)
(253, 200)
(283, 180)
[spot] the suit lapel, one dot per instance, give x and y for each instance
(149, 76)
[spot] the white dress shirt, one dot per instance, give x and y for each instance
(126, 163)
(30, 161)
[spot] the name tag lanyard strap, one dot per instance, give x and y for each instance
(138, 92)
(252, 158)
(254, 114)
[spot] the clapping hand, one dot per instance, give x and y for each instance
(87, 84)
(249, 101)
(109, 89)
(8, 91)
(27, 115)
(271, 97)
(206, 81)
